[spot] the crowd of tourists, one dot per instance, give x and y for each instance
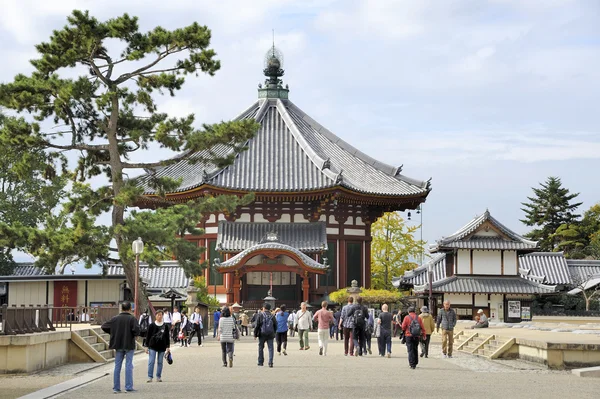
(353, 323)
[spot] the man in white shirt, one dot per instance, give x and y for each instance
(291, 323)
(196, 319)
(304, 323)
(176, 322)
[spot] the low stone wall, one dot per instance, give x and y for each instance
(558, 355)
(33, 352)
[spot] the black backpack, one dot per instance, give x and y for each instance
(266, 328)
(414, 327)
(144, 324)
(359, 317)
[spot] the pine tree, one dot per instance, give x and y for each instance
(108, 115)
(550, 208)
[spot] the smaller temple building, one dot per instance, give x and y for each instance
(484, 265)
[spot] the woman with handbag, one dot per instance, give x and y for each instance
(227, 333)
(157, 342)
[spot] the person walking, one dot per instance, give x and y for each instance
(337, 315)
(266, 325)
(360, 314)
(245, 322)
(384, 340)
(168, 319)
(184, 329)
(447, 319)
(324, 318)
(216, 318)
(176, 320)
(196, 320)
(369, 331)
(282, 329)
(123, 328)
(291, 323)
(347, 322)
(429, 324)
(157, 344)
(303, 324)
(225, 336)
(414, 330)
(144, 321)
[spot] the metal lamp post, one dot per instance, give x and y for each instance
(429, 277)
(138, 247)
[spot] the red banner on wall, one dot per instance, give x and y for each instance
(65, 293)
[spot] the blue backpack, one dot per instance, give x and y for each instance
(266, 328)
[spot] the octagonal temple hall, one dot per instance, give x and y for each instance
(308, 232)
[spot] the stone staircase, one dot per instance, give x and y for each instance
(94, 342)
(477, 343)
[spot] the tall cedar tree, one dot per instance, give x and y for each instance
(550, 208)
(108, 113)
(393, 249)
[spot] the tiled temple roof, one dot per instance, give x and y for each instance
(488, 285)
(239, 236)
(418, 276)
(545, 267)
(168, 275)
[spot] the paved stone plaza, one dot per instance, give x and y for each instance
(308, 375)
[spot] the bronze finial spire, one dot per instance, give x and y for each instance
(273, 70)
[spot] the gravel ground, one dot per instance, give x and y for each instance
(305, 374)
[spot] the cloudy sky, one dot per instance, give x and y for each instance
(486, 97)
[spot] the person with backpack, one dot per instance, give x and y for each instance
(414, 331)
(282, 329)
(145, 321)
(226, 336)
(266, 325)
(369, 330)
(324, 318)
(303, 325)
(429, 324)
(196, 326)
(157, 344)
(360, 313)
(347, 322)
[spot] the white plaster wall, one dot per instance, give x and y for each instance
(299, 218)
(103, 291)
(323, 218)
(496, 307)
(33, 293)
(464, 261)
(459, 299)
(288, 261)
(332, 220)
(81, 292)
(244, 217)
(481, 300)
(510, 263)
(333, 230)
(221, 217)
(354, 232)
(211, 230)
(483, 233)
(486, 262)
(222, 298)
(285, 218)
(359, 221)
(258, 218)
(211, 219)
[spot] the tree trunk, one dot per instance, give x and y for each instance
(587, 304)
(118, 211)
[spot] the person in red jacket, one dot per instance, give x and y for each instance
(414, 330)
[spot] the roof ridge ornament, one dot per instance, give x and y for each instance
(339, 179)
(273, 70)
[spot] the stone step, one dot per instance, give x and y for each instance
(83, 333)
(99, 347)
(105, 337)
(90, 339)
(108, 354)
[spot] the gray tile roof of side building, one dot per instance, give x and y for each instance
(314, 159)
(464, 237)
(545, 267)
(418, 276)
(239, 236)
(488, 285)
(168, 275)
(583, 269)
(28, 269)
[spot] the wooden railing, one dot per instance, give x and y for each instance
(31, 319)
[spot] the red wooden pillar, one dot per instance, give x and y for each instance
(236, 287)
(305, 287)
(228, 288)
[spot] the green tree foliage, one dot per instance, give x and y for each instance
(582, 239)
(30, 188)
(106, 116)
(393, 249)
(547, 210)
(203, 296)
(370, 296)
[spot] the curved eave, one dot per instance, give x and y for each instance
(235, 261)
